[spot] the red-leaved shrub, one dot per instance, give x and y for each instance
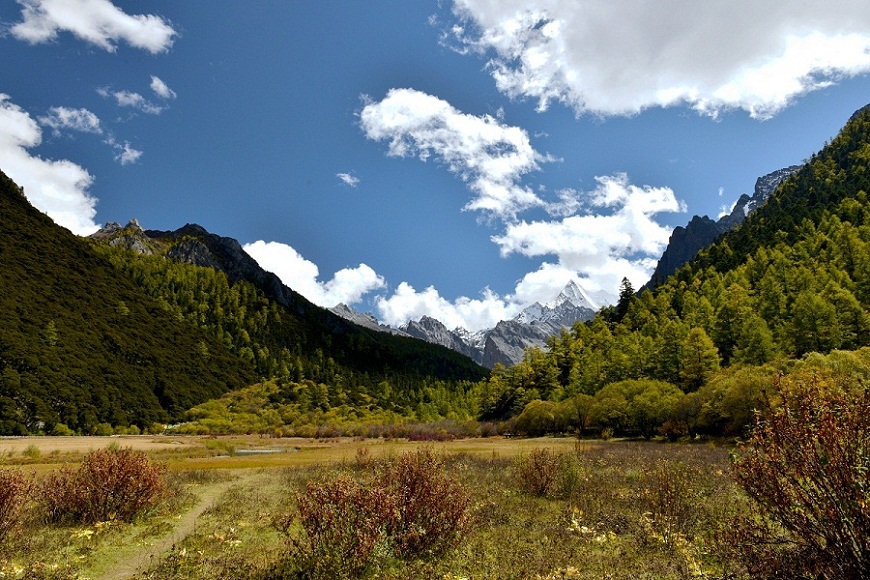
(109, 484)
(345, 522)
(433, 507)
(537, 473)
(807, 465)
(412, 508)
(14, 490)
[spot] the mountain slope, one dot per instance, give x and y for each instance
(211, 282)
(791, 280)
(81, 345)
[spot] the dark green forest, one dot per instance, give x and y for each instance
(343, 365)
(81, 345)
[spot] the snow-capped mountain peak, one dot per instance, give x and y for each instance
(574, 295)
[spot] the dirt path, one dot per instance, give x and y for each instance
(123, 563)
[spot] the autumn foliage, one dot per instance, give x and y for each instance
(110, 484)
(807, 465)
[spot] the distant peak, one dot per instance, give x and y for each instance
(575, 295)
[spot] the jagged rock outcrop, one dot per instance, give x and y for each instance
(193, 244)
(434, 331)
(685, 242)
(131, 237)
(365, 320)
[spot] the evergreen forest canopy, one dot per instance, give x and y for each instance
(81, 345)
(95, 338)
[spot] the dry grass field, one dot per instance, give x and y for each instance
(609, 510)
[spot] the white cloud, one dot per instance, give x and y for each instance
(593, 245)
(58, 188)
(131, 99)
(161, 89)
(347, 286)
(75, 119)
(595, 251)
(98, 22)
(348, 179)
(489, 156)
(406, 304)
(125, 154)
(621, 56)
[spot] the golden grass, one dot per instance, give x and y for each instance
(232, 452)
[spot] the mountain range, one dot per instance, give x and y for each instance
(134, 327)
(505, 343)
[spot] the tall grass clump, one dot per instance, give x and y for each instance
(109, 484)
(15, 489)
(807, 466)
(538, 472)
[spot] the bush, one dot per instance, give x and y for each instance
(345, 523)
(807, 465)
(110, 484)
(14, 490)
(411, 509)
(432, 505)
(538, 472)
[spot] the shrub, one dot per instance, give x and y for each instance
(111, 483)
(538, 472)
(412, 508)
(61, 430)
(807, 465)
(14, 490)
(669, 500)
(432, 506)
(345, 522)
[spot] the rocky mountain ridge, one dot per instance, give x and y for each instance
(685, 242)
(505, 343)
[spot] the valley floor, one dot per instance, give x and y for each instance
(614, 509)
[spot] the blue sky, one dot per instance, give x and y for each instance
(458, 159)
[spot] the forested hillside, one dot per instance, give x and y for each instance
(81, 345)
(94, 337)
(793, 279)
(307, 349)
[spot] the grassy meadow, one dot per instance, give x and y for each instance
(537, 508)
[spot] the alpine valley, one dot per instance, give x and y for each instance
(133, 328)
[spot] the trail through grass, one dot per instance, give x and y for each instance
(114, 562)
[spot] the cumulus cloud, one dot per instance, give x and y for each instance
(606, 58)
(489, 156)
(125, 154)
(597, 246)
(57, 187)
(406, 304)
(348, 179)
(98, 22)
(347, 286)
(59, 118)
(161, 89)
(131, 99)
